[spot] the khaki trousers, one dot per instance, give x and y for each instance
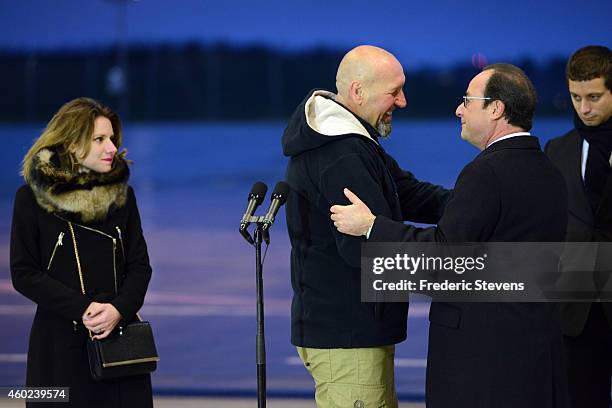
(352, 378)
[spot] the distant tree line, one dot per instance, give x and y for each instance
(196, 82)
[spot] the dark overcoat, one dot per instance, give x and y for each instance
(583, 224)
(501, 355)
(115, 266)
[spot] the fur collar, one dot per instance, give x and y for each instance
(80, 197)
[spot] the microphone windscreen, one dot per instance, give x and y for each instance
(281, 191)
(258, 191)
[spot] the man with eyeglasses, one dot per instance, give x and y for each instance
(584, 158)
(502, 355)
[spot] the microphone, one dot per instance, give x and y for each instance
(256, 197)
(278, 198)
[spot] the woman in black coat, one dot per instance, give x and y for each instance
(76, 178)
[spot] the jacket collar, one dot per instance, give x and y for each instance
(328, 117)
(520, 142)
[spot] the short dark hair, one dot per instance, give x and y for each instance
(510, 85)
(593, 61)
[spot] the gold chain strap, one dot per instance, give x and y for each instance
(76, 254)
(78, 260)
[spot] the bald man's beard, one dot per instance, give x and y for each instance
(383, 128)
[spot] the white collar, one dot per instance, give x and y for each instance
(509, 136)
(585, 156)
(329, 118)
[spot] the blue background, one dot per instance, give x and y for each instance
(192, 178)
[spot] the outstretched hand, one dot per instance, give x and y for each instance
(354, 219)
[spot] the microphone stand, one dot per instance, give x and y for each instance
(260, 347)
(261, 340)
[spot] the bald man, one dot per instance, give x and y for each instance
(333, 142)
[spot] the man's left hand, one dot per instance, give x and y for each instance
(354, 219)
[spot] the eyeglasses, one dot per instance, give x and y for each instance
(466, 99)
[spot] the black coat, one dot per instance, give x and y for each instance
(326, 310)
(44, 269)
(583, 225)
(496, 354)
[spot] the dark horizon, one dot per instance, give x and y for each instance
(197, 82)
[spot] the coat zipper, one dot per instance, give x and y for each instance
(114, 250)
(121, 241)
(94, 230)
(115, 264)
(58, 243)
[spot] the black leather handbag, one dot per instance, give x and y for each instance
(128, 350)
